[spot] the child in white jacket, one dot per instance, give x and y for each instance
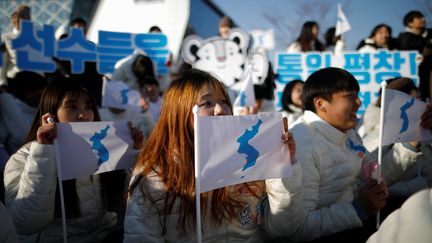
(32, 196)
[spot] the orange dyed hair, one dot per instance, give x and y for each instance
(169, 152)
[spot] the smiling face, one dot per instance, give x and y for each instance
(76, 109)
(341, 111)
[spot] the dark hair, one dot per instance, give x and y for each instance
(410, 16)
(306, 36)
(376, 28)
(403, 84)
(25, 80)
(286, 96)
(330, 38)
(142, 67)
(51, 100)
(324, 83)
(266, 89)
(148, 81)
(155, 29)
(78, 20)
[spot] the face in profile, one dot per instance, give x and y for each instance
(76, 109)
(341, 111)
(417, 23)
(296, 95)
(212, 103)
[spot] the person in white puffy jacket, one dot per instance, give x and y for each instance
(411, 223)
(32, 196)
(332, 158)
(162, 191)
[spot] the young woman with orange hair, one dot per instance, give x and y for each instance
(161, 205)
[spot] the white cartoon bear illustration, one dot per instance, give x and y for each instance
(227, 58)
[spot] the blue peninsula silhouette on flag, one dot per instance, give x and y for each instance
(238, 149)
(402, 118)
(86, 148)
(116, 94)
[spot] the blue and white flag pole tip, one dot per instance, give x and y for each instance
(383, 84)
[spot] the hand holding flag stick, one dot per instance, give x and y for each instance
(47, 132)
(288, 139)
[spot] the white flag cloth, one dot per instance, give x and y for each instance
(116, 94)
(246, 96)
(238, 149)
(342, 24)
(263, 39)
(402, 118)
(86, 148)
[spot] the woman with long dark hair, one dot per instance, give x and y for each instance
(32, 195)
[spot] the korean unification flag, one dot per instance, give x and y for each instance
(116, 94)
(246, 96)
(402, 118)
(86, 148)
(238, 149)
(263, 39)
(342, 24)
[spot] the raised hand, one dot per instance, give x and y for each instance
(47, 132)
(288, 139)
(137, 136)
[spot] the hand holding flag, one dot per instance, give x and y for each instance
(86, 148)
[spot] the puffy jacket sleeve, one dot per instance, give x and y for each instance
(284, 212)
(142, 222)
(321, 221)
(411, 223)
(30, 185)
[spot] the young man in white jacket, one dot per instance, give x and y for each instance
(332, 156)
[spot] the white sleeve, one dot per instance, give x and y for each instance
(30, 184)
(284, 212)
(142, 221)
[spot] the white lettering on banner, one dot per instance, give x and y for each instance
(368, 68)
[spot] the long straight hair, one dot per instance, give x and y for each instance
(51, 100)
(306, 37)
(169, 152)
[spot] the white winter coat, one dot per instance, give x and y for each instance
(30, 184)
(411, 223)
(279, 215)
(331, 167)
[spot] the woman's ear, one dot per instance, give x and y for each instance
(320, 104)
